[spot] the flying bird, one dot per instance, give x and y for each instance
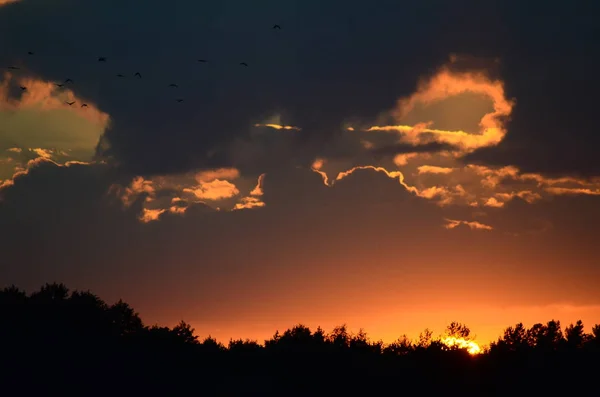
(13, 68)
(120, 75)
(23, 88)
(84, 105)
(276, 27)
(173, 85)
(101, 59)
(59, 85)
(202, 60)
(30, 52)
(243, 64)
(138, 75)
(179, 100)
(68, 81)
(70, 103)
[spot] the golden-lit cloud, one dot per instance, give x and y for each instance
(249, 202)
(403, 158)
(473, 225)
(4, 2)
(17, 162)
(253, 200)
(441, 86)
(31, 164)
(149, 215)
(278, 127)
(275, 122)
(258, 190)
(573, 191)
(45, 95)
(317, 165)
(216, 189)
(174, 194)
(38, 124)
(221, 173)
(431, 169)
(442, 176)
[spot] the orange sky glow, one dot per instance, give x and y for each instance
(329, 250)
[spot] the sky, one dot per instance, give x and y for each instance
(391, 165)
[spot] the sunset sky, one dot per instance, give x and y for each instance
(392, 165)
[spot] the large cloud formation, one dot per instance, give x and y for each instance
(454, 124)
(243, 122)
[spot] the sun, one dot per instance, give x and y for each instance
(470, 346)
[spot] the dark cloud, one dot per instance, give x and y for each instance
(550, 63)
(399, 148)
(83, 237)
(244, 260)
(327, 65)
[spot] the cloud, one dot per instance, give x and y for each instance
(258, 190)
(252, 121)
(175, 194)
(442, 175)
(36, 162)
(402, 159)
(37, 124)
(5, 2)
(443, 85)
(249, 202)
(431, 169)
(46, 96)
(219, 256)
(430, 159)
(278, 127)
(473, 225)
(214, 190)
(408, 148)
(573, 191)
(220, 173)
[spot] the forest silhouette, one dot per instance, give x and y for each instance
(54, 340)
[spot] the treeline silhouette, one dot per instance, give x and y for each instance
(54, 340)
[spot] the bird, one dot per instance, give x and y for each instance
(30, 53)
(276, 27)
(68, 81)
(13, 68)
(23, 88)
(120, 75)
(59, 85)
(173, 85)
(202, 60)
(138, 75)
(243, 64)
(84, 105)
(70, 103)
(179, 100)
(101, 59)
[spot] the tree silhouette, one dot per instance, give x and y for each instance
(575, 336)
(458, 330)
(75, 338)
(124, 320)
(185, 333)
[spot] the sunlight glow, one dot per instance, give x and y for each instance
(461, 343)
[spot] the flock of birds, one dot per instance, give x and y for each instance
(137, 75)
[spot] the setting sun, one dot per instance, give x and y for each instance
(471, 346)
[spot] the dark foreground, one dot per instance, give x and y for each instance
(60, 343)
